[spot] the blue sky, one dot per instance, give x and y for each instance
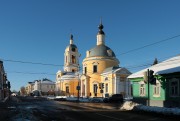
(39, 30)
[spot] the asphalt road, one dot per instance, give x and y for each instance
(38, 109)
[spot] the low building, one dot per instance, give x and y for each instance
(29, 88)
(166, 90)
(44, 87)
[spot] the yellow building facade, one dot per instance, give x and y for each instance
(29, 88)
(102, 75)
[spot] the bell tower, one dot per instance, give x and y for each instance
(71, 57)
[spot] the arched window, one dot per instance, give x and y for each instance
(66, 59)
(94, 68)
(106, 79)
(73, 49)
(73, 59)
(67, 89)
(85, 70)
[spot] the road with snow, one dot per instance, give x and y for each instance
(40, 109)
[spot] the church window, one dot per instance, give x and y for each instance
(94, 68)
(109, 52)
(66, 59)
(95, 88)
(85, 70)
(67, 89)
(73, 49)
(106, 79)
(73, 59)
(106, 88)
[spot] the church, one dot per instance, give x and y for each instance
(68, 80)
(101, 77)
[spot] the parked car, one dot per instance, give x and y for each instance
(114, 98)
(96, 99)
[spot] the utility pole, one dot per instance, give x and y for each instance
(78, 87)
(148, 88)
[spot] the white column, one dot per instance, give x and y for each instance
(81, 88)
(115, 81)
(86, 88)
(118, 84)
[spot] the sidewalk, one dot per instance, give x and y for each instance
(3, 109)
(4, 103)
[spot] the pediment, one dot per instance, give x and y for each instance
(84, 77)
(122, 71)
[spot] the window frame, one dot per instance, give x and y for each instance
(157, 90)
(142, 90)
(95, 88)
(73, 58)
(174, 87)
(67, 89)
(85, 70)
(95, 68)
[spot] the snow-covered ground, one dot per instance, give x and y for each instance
(71, 98)
(129, 105)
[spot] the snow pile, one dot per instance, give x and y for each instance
(128, 105)
(161, 110)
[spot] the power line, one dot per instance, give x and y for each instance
(149, 45)
(31, 73)
(45, 64)
(28, 62)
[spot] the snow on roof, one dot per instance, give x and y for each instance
(69, 75)
(47, 82)
(171, 65)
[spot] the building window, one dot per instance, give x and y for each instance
(66, 59)
(85, 70)
(94, 68)
(142, 89)
(95, 88)
(73, 49)
(73, 59)
(106, 88)
(106, 79)
(156, 90)
(67, 89)
(174, 87)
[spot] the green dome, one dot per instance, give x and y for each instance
(101, 50)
